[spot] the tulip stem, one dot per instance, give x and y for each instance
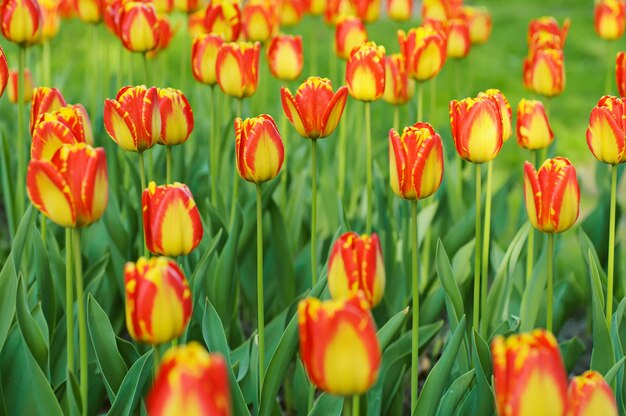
(420, 100)
(156, 355)
(44, 229)
(433, 100)
(396, 118)
(370, 202)
(142, 177)
(82, 324)
(214, 154)
(485, 253)
(313, 211)
(342, 156)
(45, 61)
(610, 69)
(21, 157)
(550, 281)
(477, 268)
(355, 405)
(415, 289)
(168, 164)
(259, 283)
(146, 72)
(69, 303)
(233, 202)
(611, 265)
(531, 232)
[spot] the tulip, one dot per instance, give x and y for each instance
(259, 149)
(544, 72)
(607, 130)
(187, 6)
(399, 10)
(589, 395)
(111, 16)
(195, 23)
(203, 57)
(505, 110)
(237, 68)
(163, 7)
(434, 9)
(480, 25)
(139, 27)
(164, 35)
(533, 127)
(399, 87)
(71, 189)
(223, 17)
(529, 375)
(85, 122)
(356, 264)
(260, 20)
(20, 21)
(13, 86)
(53, 130)
(609, 19)
(285, 57)
(45, 100)
(171, 221)
(51, 20)
(133, 119)
(547, 24)
(336, 10)
(4, 71)
(190, 381)
(459, 41)
(424, 50)
(367, 10)
(291, 12)
(90, 11)
(365, 72)
(338, 344)
(66, 9)
(620, 73)
(158, 300)
(349, 33)
(176, 117)
(316, 7)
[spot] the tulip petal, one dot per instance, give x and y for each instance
(605, 137)
(334, 111)
(95, 186)
(532, 194)
(264, 152)
(292, 111)
(397, 163)
(50, 193)
(119, 126)
(48, 137)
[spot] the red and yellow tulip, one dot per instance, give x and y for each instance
(171, 221)
(399, 87)
(590, 395)
(337, 10)
(480, 25)
(90, 11)
(259, 149)
(291, 12)
(549, 25)
(195, 23)
(424, 50)
(356, 264)
(315, 111)
(505, 110)
(204, 56)
(367, 11)
(606, 133)
(459, 41)
(365, 72)
(176, 117)
(349, 33)
(158, 300)
(163, 7)
(552, 195)
(223, 17)
(13, 84)
(187, 6)
(609, 19)
(533, 128)
(620, 73)
(190, 381)
(544, 72)
(399, 10)
(338, 344)
(139, 27)
(316, 7)
(53, 130)
(4, 71)
(415, 161)
(164, 35)
(72, 187)
(20, 21)
(260, 20)
(133, 119)
(237, 68)
(435, 9)
(51, 19)
(45, 100)
(529, 375)
(285, 57)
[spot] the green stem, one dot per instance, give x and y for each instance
(342, 157)
(95, 65)
(415, 292)
(156, 356)
(259, 283)
(69, 303)
(313, 211)
(370, 202)
(433, 100)
(611, 265)
(530, 251)
(168, 164)
(142, 177)
(21, 156)
(45, 60)
(477, 268)
(213, 156)
(355, 405)
(610, 69)
(44, 229)
(396, 118)
(420, 100)
(82, 323)
(485, 253)
(550, 281)
(311, 397)
(146, 72)
(233, 201)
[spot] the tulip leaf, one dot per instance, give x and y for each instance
(33, 337)
(327, 405)
(571, 351)
(386, 333)
(533, 297)
(132, 387)
(44, 280)
(455, 394)
(454, 301)
(481, 357)
(23, 232)
(610, 375)
(8, 193)
(8, 292)
(602, 357)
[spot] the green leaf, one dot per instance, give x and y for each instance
(8, 193)
(132, 386)
(571, 351)
(533, 297)
(386, 333)
(482, 364)
(30, 330)
(327, 405)
(44, 280)
(602, 356)
(612, 373)
(8, 292)
(454, 301)
(23, 232)
(224, 293)
(457, 391)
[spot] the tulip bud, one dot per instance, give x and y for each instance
(315, 110)
(90, 11)
(223, 17)
(317, 7)
(349, 33)
(291, 12)
(4, 71)
(367, 10)
(399, 87)
(164, 35)
(356, 264)
(192, 381)
(13, 86)
(285, 57)
(45, 100)
(187, 6)
(476, 125)
(609, 19)
(415, 161)
(607, 131)
(260, 20)
(533, 127)
(338, 344)
(424, 50)
(590, 395)
(547, 24)
(459, 42)
(544, 72)
(139, 27)
(365, 72)
(505, 110)
(529, 376)
(480, 25)
(195, 23)
(171, 221)
(163, 7)
(620, 73)
(259, 149)
(399, 10)
(20, 21)
(158, 300)
(176, 117)
(237, 68)
(72, 188)
(552, 195)
(133, 119)
(336, 10)
(85, 122)
(111, 16)
(51, 19)
(53, 130)
(204, 56)
(434, 9)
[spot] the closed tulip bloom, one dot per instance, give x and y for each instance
(90, 11)
(315, 111)
(20, 21)
(158, 300)
(399, 87)
(164, 36)
(163, 7)
(424, 50)
(505, 110)
(459, 42)
(204, 56)
(187, 6)
(480, 25)
(338, 344)
(590, 395)
(476, 125)
(237, 68)
(176, 117)
(190, 381)
(51, 19)
(434, 9)
(533, 128)
(544, 72)
(365, 72)
(171, 221)
(53, 130)
(400, 10)
(195, 23)
(71, 189)
(4, 71)
(548, 24)
(85, 122)
(291, 12)
(337, 10)
(316, 7)
(529, 376)
(606, 133)
(133, 119)
(111, 16)
(223, 17)
(259, 148)
(45, 100)
(415, 161)
(139, 27)
(349, 33)
(260, 20)
(285, 57)
(13, 83)
(620, 73)
(552, 195)
(367, 10)
(609, 19)
(356, 264)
